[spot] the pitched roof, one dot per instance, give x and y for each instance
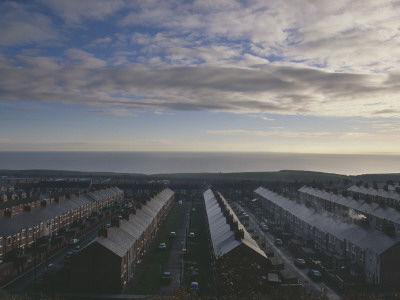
(390, 193)
(25, 220)
(121, 239)
(372, 239)
(372, 208)
(223, 238)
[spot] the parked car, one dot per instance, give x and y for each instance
(76, 249)
(278, 242)
(172, 235)
(264, 227)
(166, 277)
(301, 263)
(162, 246)
(73, 242)
(315, 274)
(191, 235)
(67, 257)
(194, 286)
(185, 252)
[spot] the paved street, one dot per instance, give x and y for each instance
(25, 283)
(175, 263)
(288, 259)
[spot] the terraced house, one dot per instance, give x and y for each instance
(368, 213)
(240, 265)
(28, 222)
(372, 251)
(110, 262)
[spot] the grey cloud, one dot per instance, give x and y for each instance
(275, 89)
(20, 26)
(76, 11)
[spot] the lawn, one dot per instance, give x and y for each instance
(149, 282)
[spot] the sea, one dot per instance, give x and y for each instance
(199, 162)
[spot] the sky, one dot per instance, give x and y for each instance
(222, 75)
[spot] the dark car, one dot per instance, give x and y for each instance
(166, 277)
(278, 242)
(301, 263)
(315, 274)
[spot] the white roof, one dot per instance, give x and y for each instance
(372, 239)
(372, 208)
(223, 238)
(121, 239)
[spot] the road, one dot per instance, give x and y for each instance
(175, 263)
(25, 283)
(288, 259)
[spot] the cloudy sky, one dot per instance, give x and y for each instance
(221, 75)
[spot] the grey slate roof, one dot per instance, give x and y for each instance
(390, 194)
(223, 238)
(372, 208)
(372, 239)
(25, 220)
(121, 239)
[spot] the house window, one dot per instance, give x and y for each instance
(1, 243)
(9, 241)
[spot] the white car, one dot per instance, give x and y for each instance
(191, 235)
(73, 242)
(162, 246)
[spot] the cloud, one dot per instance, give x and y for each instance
(260, 116)
(261, 133)
(255, 57)
(20, 26)
(77, 11)
(113, 112)
(83, 79)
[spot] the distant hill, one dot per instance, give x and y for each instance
(284, 175)
(66, 173)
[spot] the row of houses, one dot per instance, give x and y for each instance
(240, 265)
(12, 195)
(364, 248)
(389, 195)
(28, 222)
(23, 195)
(108, 264)
(374, 214)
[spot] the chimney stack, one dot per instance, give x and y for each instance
(239, 234)
(103, 231)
